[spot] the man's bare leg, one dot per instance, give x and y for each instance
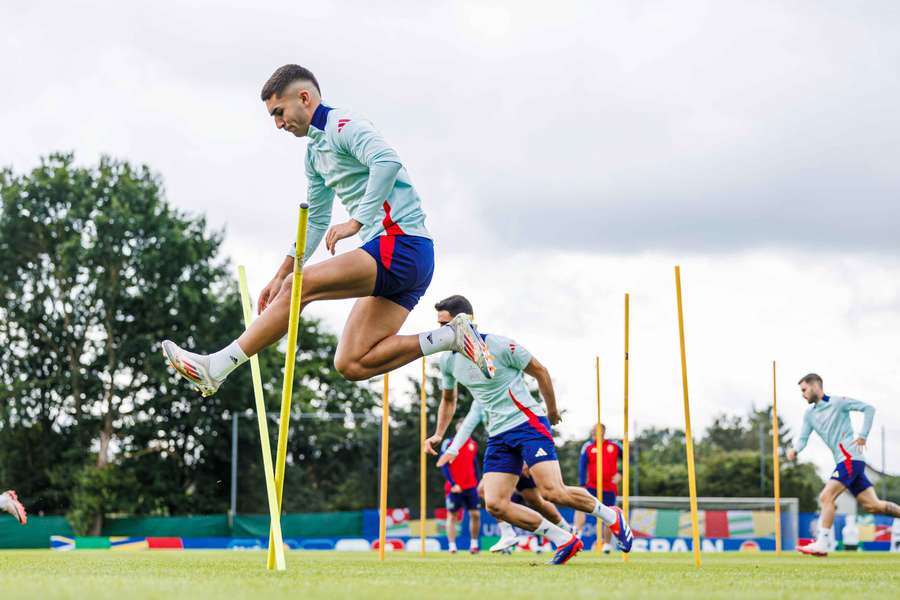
(349, 275)
(451, 530)
(547, 510)
(833, 488)
(474, 529)
(870, 503)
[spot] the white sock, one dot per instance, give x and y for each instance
(563, 524)
(824, 535)
(451, 546)
(553, 532)
(473, 543)
(226, 360)
(506, 530)
(4, 501)
(604, 513)
(438, 340)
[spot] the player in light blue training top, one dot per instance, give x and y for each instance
(346, 157)
(829, 416)
(518, 432)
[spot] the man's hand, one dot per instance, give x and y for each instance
(617, 479)
(268, 294)
(553, 415)
(446, 457)
(791, 454)
(430, 442)
(455, 488)
(860, 444)
(339, 232)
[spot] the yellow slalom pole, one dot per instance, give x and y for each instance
(290, 358)
(274, 513)
(688, 438)
(625, 465)
(423, 433)
(383, 494)
(598, 454)
(775, 466)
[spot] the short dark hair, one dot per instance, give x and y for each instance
(811, 378)
(285, 76)
(455, 305)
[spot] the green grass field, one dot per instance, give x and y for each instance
(42, 574)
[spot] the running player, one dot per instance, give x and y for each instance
(829, 416)
(526, 491)
(587, 478)
(346, 156)
(518, 430)
(9, 502)
(461, 491)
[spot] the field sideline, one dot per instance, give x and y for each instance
(43, 574)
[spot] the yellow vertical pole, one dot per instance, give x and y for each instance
(382, 502)
(625, 464)
(776, 471)
(688, 438)
(598, 438)
(268, 473)
(423, 433)
(287, 388)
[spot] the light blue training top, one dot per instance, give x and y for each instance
(346, 156)
(830, 418)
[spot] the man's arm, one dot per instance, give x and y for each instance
(321, 200)
(583, 465)
(545, 385)
(469, 424)
(360, 138)
(805, 431)
(869, 411)
(445, 414)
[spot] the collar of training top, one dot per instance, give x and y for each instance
(320, 117)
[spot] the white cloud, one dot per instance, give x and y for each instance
(564, 156)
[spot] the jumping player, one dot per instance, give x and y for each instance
(829, 416)
(346, 156)
(9, 502)
(587, 478)
(526, 491)
(461, 491)
(518, 430)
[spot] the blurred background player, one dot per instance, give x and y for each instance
(587, 478)
(518, 433)
(461, 490)
(829, 416)
(526, 492)
(348, 158)
(9, 502)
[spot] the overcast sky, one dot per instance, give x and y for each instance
(564, 157)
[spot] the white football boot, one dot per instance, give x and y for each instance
(469, 343)
(193, 367)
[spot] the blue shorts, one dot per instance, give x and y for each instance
(466, 499)
(530, 442)
(608, 499)
(525, 483)
(853, 475)
(405, 266)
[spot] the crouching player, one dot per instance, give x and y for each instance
(829, 416)
(9, 502)
(518, 431)
(461, 491)
(587, 478)
(526, 491)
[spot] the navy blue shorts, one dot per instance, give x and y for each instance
(609, 498)
(525, 483)
(853, 475)
(530, 442)
(466, 499)
(405, 267)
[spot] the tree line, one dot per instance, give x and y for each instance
(98, 267)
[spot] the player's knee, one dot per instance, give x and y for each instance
(350, 369)
(496, 506)
(824, 498)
